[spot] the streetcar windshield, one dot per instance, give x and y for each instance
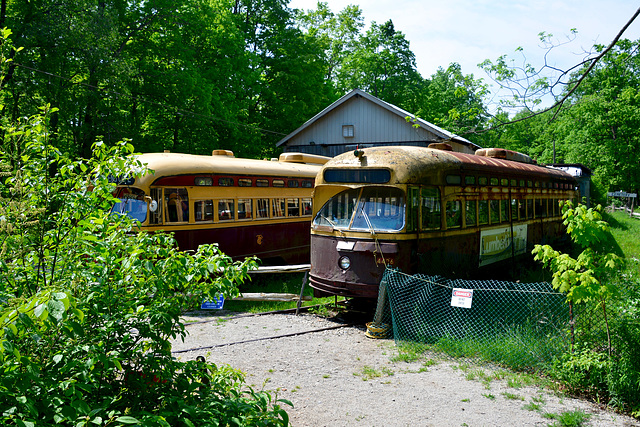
(131, 203)
(376, 209)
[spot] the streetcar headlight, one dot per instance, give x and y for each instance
(344, 262)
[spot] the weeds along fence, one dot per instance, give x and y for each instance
(523, 326)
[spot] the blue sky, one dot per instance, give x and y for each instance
(470, 31)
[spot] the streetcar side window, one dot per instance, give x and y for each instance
(279, 207)
(245, 208)
(514, 209)
(494, 209)
(453, 179)
(203, 181)
(414, 209)
(262, 208)
(307, 206)
(203, 210)
(471, 213)
(226, 210)
(504, 211)
(483, 212)
(541, 208)
(431, 211)
(156, 201)
(454, 214)
(523, 209)
(176, 202)
(529, 208)
(293, 207)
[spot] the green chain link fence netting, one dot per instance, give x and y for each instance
(520, 325)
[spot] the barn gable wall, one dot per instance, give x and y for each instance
(372, 123)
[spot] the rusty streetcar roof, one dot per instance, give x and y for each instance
(410, 164)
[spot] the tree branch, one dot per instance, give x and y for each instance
(558, 104)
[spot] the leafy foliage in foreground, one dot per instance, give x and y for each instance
(88, 304)
(604, 362)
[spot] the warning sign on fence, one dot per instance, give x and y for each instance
(461, 297)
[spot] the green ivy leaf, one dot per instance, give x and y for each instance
(127, 420)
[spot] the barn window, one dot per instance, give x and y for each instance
(348, 131)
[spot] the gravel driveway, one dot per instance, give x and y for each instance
(339, 377)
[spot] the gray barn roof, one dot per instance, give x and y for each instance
(445, 135)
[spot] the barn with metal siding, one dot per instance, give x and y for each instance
(359, 119)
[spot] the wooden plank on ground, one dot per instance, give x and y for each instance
(261, 296)
(300, 268)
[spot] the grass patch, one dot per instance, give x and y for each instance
(520, 348)
(410, 352)
(368, 373)
(575, 418)
(625, 231)
(533, 406)
(512, 396)
(519, 380)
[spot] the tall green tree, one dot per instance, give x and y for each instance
(181, 75)
(601, 126)
(381, 64)
(288, 85)
(454, 101)
(336, 33)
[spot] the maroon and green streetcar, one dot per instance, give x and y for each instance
(248, 207)
(428, 210)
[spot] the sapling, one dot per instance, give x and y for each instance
(586, 277)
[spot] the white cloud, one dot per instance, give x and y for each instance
(470, 31)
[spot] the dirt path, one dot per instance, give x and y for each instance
(339, 377)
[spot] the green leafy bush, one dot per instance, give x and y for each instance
(89, 304)
(605, 361)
